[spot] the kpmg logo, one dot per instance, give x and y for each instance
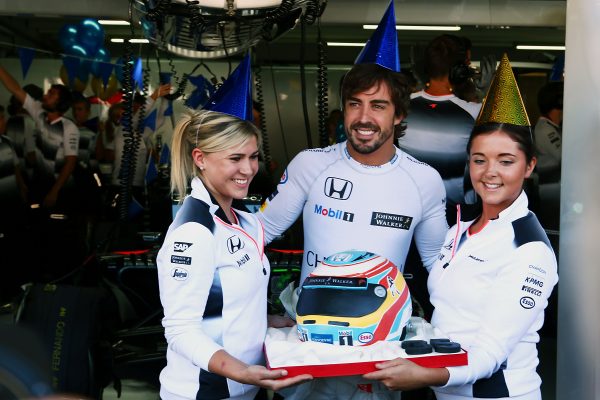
(337, 188)
(332, 213)
(234, 243)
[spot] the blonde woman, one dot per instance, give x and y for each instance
(212, 270)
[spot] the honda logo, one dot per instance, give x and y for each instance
(337, 188)
(234, 243)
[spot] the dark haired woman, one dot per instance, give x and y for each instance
(495, 271)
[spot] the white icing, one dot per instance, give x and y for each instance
(283, 348)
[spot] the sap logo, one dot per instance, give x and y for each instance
(365, 337)
(534, 281)
(337, 188)
(527, 302)
(243, 260)
(531, 290)
(234, 244)
(180, 247)
(179, 274)
(336, 214)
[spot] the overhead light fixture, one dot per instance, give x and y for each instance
(345, 44)
(121, 40)
(419, 27)
(528, 47)
(113, 22)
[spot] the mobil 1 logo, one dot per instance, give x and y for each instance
(345, 338)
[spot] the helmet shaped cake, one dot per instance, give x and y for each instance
(354, 298)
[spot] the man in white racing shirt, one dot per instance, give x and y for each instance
(363, 193)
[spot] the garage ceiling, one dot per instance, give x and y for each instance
(494, 26)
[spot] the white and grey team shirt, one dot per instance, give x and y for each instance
(437, 132)
(18, 128)
(347, 205)
(489, 291)
(213, 279)
(53, 140)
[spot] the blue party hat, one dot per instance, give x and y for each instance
(234, 96)
(382, 48)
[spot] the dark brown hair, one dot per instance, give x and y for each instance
(520, 134)
(362, 77)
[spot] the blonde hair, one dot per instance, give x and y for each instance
(210, 132)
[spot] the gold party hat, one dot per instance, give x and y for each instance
(503, 102)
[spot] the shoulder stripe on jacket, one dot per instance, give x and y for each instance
(528, 229)
(194, 210)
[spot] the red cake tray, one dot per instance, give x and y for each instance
(326, 360)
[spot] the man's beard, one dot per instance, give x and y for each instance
(361, 147)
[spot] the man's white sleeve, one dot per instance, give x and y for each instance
(285, 205)
(431, 231)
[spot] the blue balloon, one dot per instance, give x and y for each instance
(67, 36)
(78, 51)
(90, 35)
(102, 55)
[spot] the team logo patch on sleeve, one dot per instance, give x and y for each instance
(179, 274)
(181, 247)
(284, 177)
(181, 260)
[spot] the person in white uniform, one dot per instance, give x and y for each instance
(363, 193)
(54, 150)
(496, 270)
(212, 270)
